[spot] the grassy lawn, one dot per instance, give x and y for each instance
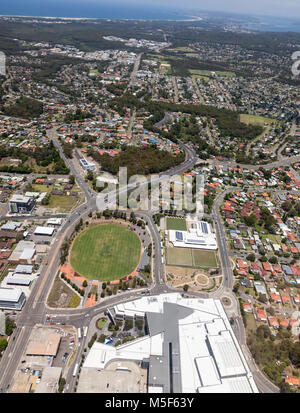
(62, 296)
(275, 239)
(101, 324)
(208, 73)
(176, 224)
(251, 324)
(205, 78)
(255, 120)
(179, 256)
(75, 300)
(105, 252)
(40, 188)
(205, 259)
(181, 49)
(165, 68)
(62, 202)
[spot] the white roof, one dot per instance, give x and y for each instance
(226, 355)
(10, 294)
(17, 280)
(210, 356)
(44, 231)
(22, 245)
(54, 221)
(207, 371)
(25, 269)
(19, 198)
(11, 225)
(27, 254)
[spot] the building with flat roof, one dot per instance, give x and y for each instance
(54, 221)
(48, 231)
(46, 343)
(24, 253)
(10, 226)
(199, 236)
(189, 346)
(49, 380)
(19, 204)
(12, 299)
(87, 166)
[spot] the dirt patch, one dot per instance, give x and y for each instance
(226, 301)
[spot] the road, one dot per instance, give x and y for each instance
(135, 69)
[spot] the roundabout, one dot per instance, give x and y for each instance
(105, 252)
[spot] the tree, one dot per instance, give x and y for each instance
(285, 387)
(185, 287)
(250, 220)
(251, 257)
(85, 284)
(9, 326)
(3, 344)
(61, 384)
(128, 325)
(271, 311)
(273, 260)
(262, 298)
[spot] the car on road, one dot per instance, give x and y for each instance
(46, 262)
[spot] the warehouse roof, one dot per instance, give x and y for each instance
(191, 346)
(44, 231)
(10, 294)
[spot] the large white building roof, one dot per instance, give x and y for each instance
(43, 231)
(19, 198)
(206, 356)
(199, 236)
(10, 294)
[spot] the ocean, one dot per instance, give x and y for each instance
(88, 9)
(117, 9)
(273, 24)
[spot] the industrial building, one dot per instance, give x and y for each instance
(199, 236)
(24, 253)
(48, 231)
(12, 299)
(19, 204)
(189, 346)
(46, 344)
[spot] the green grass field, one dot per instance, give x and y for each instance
(255, 120)
(105, 252)
(179, 256)
(176, 224)
(188, 257)
(62, 202)
(200, 73)
(205, 259)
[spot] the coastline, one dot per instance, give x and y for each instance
(192, 19)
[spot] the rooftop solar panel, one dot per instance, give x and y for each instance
(204, 227)
(179, 236)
